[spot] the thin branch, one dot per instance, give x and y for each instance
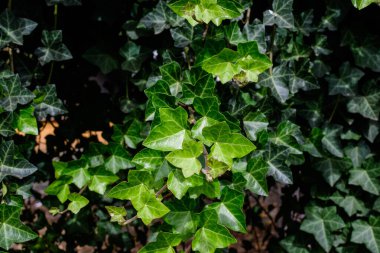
(160, 191)
(273, 223)
(82, 190)
(55, 13)
(50, 72)
(9, 5)
(10, 52)
(273, 34)
(204, 35)
(248, 16)
(334, 110)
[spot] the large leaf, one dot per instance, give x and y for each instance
(187, 158)
(11, 228)
(182, 217)
(164, 243)
(12, 163)
(321, 222)
(170, 134)
(205, 11)
(244, 65)
(226, 145)
(367, 233)
(229, 210)
(281, 15)
(119, 159)
(12, 29)
(12, 93)
(46, 102)
(53, 49)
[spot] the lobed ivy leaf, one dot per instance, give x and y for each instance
(275, 157)
(12, 29)
(149, 159)
(367, 233)
(170, 134)
(244, 65)
(12, 93)
(331, 169)
(367, 177)
(164, 243)
(331, 141)
(350, 204)
(119, 159)
(53, 49)
(77, 202)
(60, 188)
(117, 213)
(205, 11)
(134, 56)
(360, 4)
(211, 235)
(321, 222)
(78, 170)
(368, 104)
(257, 170)
(12, 163)
(346, 83)
(25, 121)
(254, 122)
(281, 15)
(178, 184)
(277, 82)
(46, 102)
(182, 216)
(12, 230)
(100, 178)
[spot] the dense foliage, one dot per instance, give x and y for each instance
(205, 106)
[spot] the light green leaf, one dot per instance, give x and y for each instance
(12, 163)
(77, 202)
(197, 83)
(226, 145)
(281, 15)
(25, 121)
(100, 178)
(233, 34)
(164, 243)
(78, 170)
(321, 222)
(187, 158)
(12, 92)
(149, 159)
(117, 213)
(54, 49)
(367, 233)
(360, 4)
(11, 228)
(182, 217)
(179, 185)
(170, 134)
(60, 188)
(216, 11)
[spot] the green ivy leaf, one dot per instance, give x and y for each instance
(179, 185)
(11, 229)
(257, 170)
(254, 122)
(46, 102)
(367, 105)
(281, 15)
(12, 29)
(78, 170)
(277, 82)
(321, 222)
(187, 158)
(25, 121)
(205, 11)
(366, 177)
(164, 243)
(143, 200)
(291, 245)
(182, 35)
(182, 217)
(360, 4)
(358, 153)
(211, 235)
(226, 145)
(275, 157)
(366, 54)
(331, 141)
(54, 49)
(160, 18)
(350, 204)
(12, 163)
(12, 92)
(100, 178)
(117, 213)
(60, 188)
(229, 210)
(331, 169)
(149, 159)
(197, 83)
(367, 233)
(134, 57)
(346, 83)
(64, 2)
(77, 202)
(170, 134)
(119, 159)
(286, 135)
(245, 64)
(104, 61)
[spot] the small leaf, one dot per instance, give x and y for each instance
(100, 178)
(46, 102)
(254, 122)
(104, 61)
(179, 185)
(25, 121)
(117, 213)
(360, 4)
(54, 49)
(77, 202)
(60, 188)
(282, 14)
(12, 93)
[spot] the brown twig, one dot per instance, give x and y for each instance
(334, 110)
(10, 52)
(160, 191)
(248, 16)
(82, 190)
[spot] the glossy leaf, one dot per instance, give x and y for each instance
(53, 49)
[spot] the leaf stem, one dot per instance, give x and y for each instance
(82, 190)
(334, 110)
(9, 5)
(248, 16)
(160, 191)
(271, 48)
(204, 34)
(50, 72)
(11, 62)
(55, 13)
